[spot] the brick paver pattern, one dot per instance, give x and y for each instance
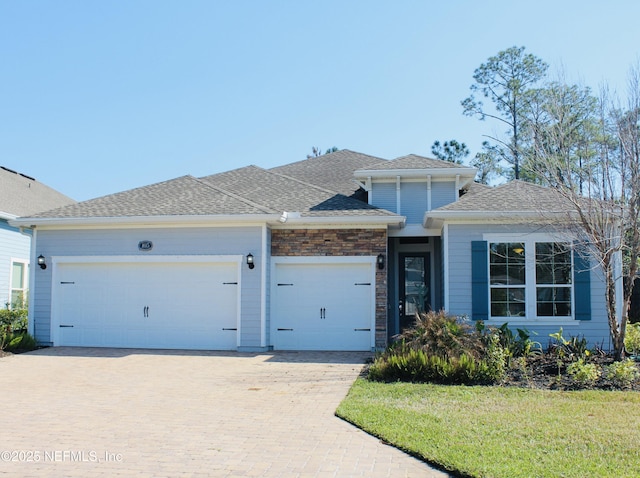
(116, 412)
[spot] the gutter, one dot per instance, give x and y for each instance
(196, 220)
(438, 218)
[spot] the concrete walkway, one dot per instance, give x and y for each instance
(115, 412)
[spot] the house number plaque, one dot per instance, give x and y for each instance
(145, 245)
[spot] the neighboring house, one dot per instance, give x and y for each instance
(20, 195)
(331, 253)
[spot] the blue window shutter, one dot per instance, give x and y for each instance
(479, 280)
(581, 286)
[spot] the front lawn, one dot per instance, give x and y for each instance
(503, 431)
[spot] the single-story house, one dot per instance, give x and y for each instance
(20, 195)
(337, 252)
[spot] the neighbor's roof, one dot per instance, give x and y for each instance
(22, 195)
(332, 171)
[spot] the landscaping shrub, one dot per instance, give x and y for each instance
(20, 342)
(582, 373)
(442, 349)
(621, 373)
(632, 338)
(12, 323)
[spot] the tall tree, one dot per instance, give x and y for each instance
(487, 162)
(506, 80)
(563, 124)
(317, 152)
(451, 151)
(605, 194)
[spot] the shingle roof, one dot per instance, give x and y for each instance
(245, 191)
(22, 195)
(332, 171)
(514, 196)
(184, 196)
(413, 161)
(283, 193)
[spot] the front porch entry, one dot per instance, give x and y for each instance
(413, 280)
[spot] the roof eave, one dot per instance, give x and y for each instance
(416, 173)
(52, 222)
(434, 219)
(8, 216)
(388, 221)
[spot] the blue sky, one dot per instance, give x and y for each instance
(100, 97)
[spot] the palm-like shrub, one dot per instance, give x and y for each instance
(444, 349)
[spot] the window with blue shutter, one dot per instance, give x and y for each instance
(479, 280)
(582, 286)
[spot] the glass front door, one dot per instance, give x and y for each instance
(414, 287)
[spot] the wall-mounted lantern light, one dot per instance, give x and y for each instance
(380, 261)
(42, 262)
(250, 261)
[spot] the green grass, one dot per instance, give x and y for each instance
(502, 431)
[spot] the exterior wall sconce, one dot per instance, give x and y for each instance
(250, 261)
(380, 261)
(42, 262)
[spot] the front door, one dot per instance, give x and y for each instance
(414, 287)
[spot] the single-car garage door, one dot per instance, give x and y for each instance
(178, 305)
(323, 306)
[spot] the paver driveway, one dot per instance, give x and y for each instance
(115, 412)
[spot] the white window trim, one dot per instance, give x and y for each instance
(25, 279)
(531, 316)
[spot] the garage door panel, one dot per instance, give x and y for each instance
(155, 305)
(324, 306)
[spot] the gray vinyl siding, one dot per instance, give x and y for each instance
(443, 193)
(458, 287)
(413, 201)
(169, 241)
(384, 196)
(13, 245)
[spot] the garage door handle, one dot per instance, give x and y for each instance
(223, 328)
(362, 330)
(285, 329)
(66, 326)
(145, 311)
(362, 283)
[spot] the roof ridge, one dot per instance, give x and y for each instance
(248, 202)
(345, 150)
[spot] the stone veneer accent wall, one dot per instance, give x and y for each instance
(340, 242)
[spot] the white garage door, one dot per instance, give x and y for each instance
(324, 306)
(149, 305)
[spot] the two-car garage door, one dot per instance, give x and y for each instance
(323, 305)
(178, 305)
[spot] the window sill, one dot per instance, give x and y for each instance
(525, 321)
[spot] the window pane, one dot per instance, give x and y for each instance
(544, 273)
(508, 302)
(553, 263)
(17, 275)
(553, 301)
(499, 274)
(516, 275)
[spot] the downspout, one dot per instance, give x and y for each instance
(31, 323)
(398, 202)
(445, 265)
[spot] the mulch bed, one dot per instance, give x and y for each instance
(541, 372)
